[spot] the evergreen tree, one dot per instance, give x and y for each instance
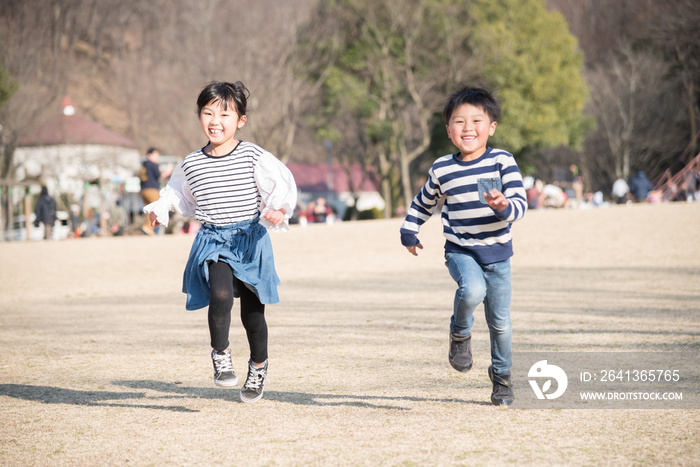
(394, 62)
(528, 54)
(7, 86)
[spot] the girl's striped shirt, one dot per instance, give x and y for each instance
(224, 187)
(237, 187)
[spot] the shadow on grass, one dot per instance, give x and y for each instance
(298, 398)
(357, 401)
(54, 395)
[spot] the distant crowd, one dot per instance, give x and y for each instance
(639, 189)
(316, 211)
(569, 193)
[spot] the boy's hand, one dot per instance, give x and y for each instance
(496, 200)
(154, 219)
(413, 249)
(274, 217)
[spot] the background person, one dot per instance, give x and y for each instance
(45, 212)
(640, 186)
(620, 190)
(150, 183)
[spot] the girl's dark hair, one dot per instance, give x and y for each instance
(228, 94)
(478, 97)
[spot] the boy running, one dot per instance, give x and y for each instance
(483, 194)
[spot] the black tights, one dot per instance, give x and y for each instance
(221, 280)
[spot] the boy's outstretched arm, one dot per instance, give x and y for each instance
(414, 249)
(421, 209)
(411, 242)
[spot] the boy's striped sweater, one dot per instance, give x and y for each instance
(470, 226)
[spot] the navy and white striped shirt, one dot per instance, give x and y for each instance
(469, 224)
(224, 187)
(229, 189)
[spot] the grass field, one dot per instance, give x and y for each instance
(101, 365)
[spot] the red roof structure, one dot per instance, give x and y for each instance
(314, 178)
(72, 129)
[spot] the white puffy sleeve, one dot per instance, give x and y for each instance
(277, 188)
(176, 195)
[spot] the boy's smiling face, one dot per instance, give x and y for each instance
(469, 129)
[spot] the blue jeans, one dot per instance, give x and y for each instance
(488, 283)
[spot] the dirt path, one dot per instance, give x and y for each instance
(100, 364)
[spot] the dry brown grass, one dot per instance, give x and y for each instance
(101, 365)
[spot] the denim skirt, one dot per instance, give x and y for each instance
(246, 247)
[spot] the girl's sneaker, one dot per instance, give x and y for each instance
(224, 376)
(254, 385)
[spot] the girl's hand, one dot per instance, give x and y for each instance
(496, 200)
(154, 220)
(274, 217)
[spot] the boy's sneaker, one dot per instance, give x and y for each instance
(224, 375)
(254, 385)
(502, 388)
(460, 355)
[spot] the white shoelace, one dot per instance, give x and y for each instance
(255, 378)
(223, 363)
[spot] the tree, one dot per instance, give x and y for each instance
(396, 61)
(678, 35)
(45, 49)
(384, 86)
(136, 67)
(8, 87)
(639, 123)
(600, 25)
(528, 54)
(631, 91)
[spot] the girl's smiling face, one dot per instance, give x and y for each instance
(220, 126)
(469, 129)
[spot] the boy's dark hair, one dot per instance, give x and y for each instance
(151, 151)
(478, 97)
(229, 94)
